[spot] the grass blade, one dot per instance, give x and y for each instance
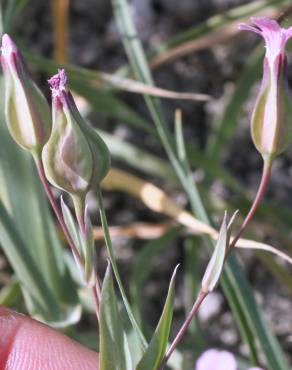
(25, 267)
(113, 349)
(111, 255)
(157, 346)
(225, 128)
(213, 30)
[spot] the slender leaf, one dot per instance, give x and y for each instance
(10, 13)
(1, 20)
(269, 343)
(215, 265)
(112, 259)
(141, 270)
(10, 292)
(244, 326)
(225, 128)
(71, 225)
(114, 351)
(25, 267)
(157, 346)
(176, 45)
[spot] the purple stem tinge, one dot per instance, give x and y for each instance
(259, 196)
(58, 212)
(200, 298)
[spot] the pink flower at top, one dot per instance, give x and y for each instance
(213, 359)
(275, 37)
(272, 115)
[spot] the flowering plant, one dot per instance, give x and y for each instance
(71, 155)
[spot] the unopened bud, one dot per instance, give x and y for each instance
(26, 109)
(72, 161)
(272, 115)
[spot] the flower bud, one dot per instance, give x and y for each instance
(26, 109)
(72, 161)
(272, 116)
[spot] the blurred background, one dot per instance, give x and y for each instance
(192, 46)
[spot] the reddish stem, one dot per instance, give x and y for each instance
(259, 196)
(58, 212)
(200, 298)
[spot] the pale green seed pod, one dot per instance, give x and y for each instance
(27, 112)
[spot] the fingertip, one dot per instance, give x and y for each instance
(8, 328)
(28, 344)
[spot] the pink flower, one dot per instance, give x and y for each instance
(275, 37)
(273, 112)
(213, 359)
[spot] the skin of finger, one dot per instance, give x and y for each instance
(28, 344)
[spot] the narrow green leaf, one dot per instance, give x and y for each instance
(138, 158)
(157, 346)
(180, 141)
(214, 24)
(114, 351)
(254, 318)
(71, 225)
(237, 308)
(10, 292)
(1, 20)
(25, 267)
(112, 259)
(141, 270)
(224, 129)
(10, 13)
(215, 265)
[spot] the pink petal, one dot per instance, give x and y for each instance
(59, 81)
(288, 33)
(213, 359)
(247, 27)
(266, 24)
(8, 45)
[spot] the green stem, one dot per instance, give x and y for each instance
(111, 255)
